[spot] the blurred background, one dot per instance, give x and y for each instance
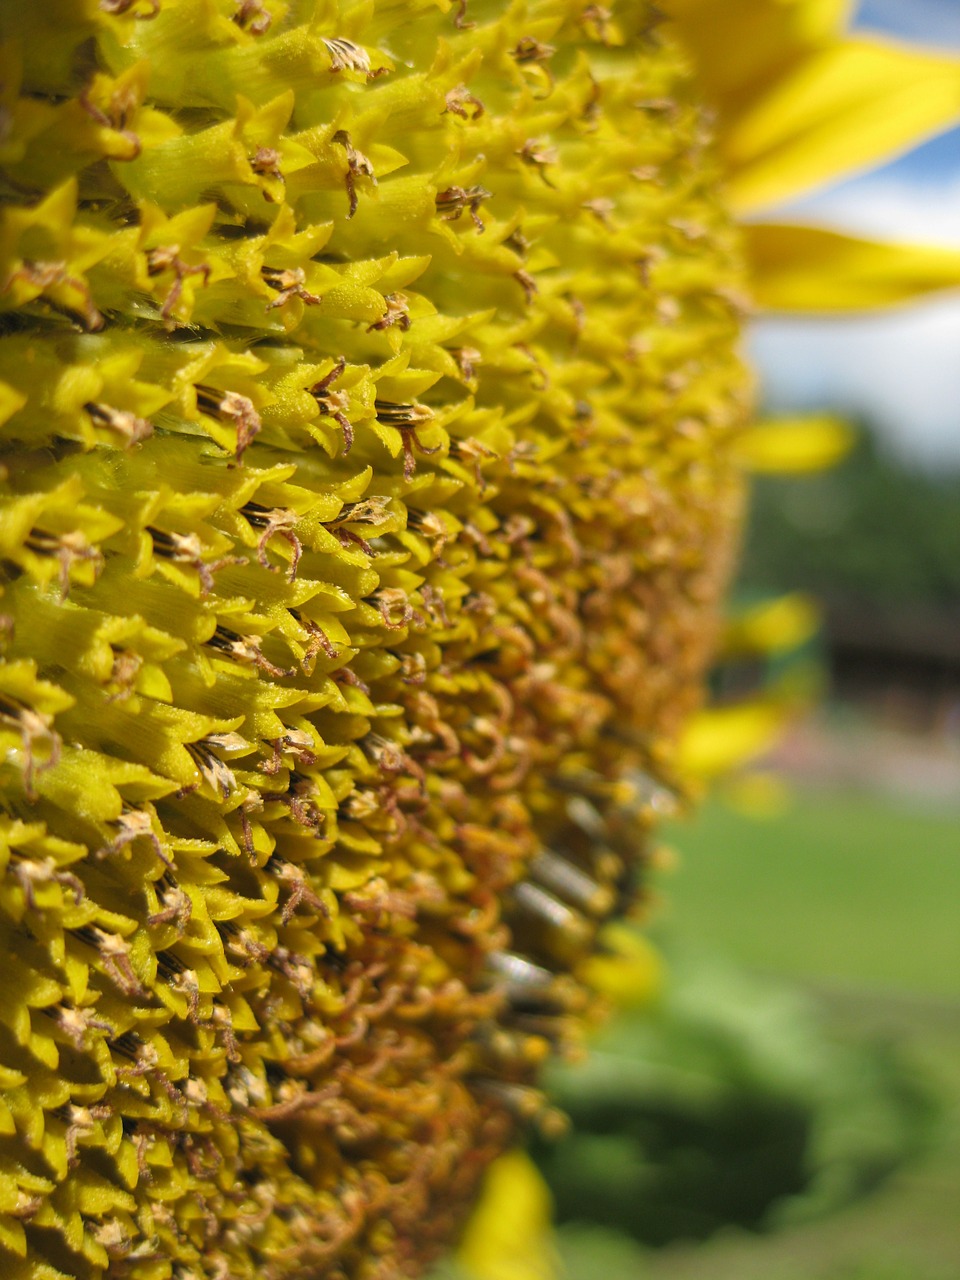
(787, 1107)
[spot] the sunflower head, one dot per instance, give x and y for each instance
(369, 394)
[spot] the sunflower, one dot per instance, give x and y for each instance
(372, 437)
(798, 102)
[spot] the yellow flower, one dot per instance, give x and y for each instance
(719, 739)
(368, 484)
(799, 103)
(508, 1237)
(787, 446)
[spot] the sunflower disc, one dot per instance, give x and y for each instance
(367, 385)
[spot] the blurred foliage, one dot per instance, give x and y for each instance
(728, 1104)
(868, 530)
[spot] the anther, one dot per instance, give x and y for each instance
(133, 824)
(459, 99)
(358, 166)
(460, 17)
(246, 651)
(251, 16)
(334, 404)
(274, 521)
(395, 314)
(522, 1101)
(31, 873)
(529, 986)
(529, 52)
(266, 161)
(126, 424)
(167, 258)
(66, 293)
(452, 201)
(539, 157)
(559, 918)
(69, 548)
(118, 7)
(289, 282)
(214, 771)
(407, 418)
(34, 727)
(347, 56)
(230, 406)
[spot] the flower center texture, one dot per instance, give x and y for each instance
(367, 382)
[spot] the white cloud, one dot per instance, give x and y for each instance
(888, 207)
(900, 371)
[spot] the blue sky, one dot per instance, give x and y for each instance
(933, 21)
(900, 369)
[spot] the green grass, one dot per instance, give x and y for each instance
(855, 897)
(843, 887)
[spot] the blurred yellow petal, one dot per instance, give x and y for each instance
(11, 401)
(791, 446)
(797, 268)
(759, 794)
(740, 46)
(627, 968)
(775, 626)
(720, 739)
(845, 108)
(509, 1235)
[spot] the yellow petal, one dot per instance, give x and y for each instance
(774, 626)
(11, 401)
(798, 268)
(740, 46)
(628, 969)
(845, 108)
(721, 739)
(508, 1237)
(791, 446)
(758, 794)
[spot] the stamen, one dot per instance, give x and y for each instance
(126, 424)
(358, 166)
(227, 406)
(452, 201)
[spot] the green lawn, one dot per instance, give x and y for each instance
(841, 887)
(856, 898)
(908, 1229)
